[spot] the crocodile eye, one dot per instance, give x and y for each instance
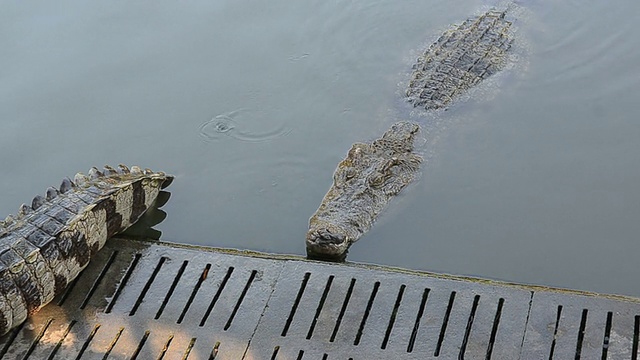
(349, 173)
(376, 180)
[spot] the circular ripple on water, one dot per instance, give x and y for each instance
(237, 125)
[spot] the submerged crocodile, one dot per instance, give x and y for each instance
(48, 243)
(371, 174)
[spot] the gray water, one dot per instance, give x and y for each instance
(252, 104)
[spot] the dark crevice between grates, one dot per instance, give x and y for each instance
(555, 332)
(636, 331)
(367, 311)
(494, 329)
(345, 303)
(172, 288)
(392, 318)
(467, 331)
(194, 292)
(36, 340)
(98, 280)
(216, 296)
(68, 290)
(583, 325)
(325, 293)
(123, 283)
(416, 325)
(325, 356)
(86, 343)
(240, 299)
(59, 343)
(189, 348)
(275, 351)
(607, 333)
(113, 343)
(165, 347)
(300, 354)
(10, 339)
(140, 345)
(445, 321)
(147, 286)
(294, 308)
(214, 351)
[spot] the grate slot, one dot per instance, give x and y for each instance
(240, 299)
(113, 343)
(216, 296)
(214, 351)
(165, 347)
(194, 292)
(300, 354)
(59, 343)
(416, 325)
(583, 325)
(343, 309)
(143, 340)
(327, 287)
(636, 331)
(98, 280)
(147, 285)
(555, 332)
(392, 318)
(189, 348)
(172, 288)
(68, 290)
(123, 283)
(86, 343)
(607, 333)
(275, 352)
(367, 311)
(296, 303)
(467, 330)
(494, 328)
(445, 321)
(36, 340)
(10, 338)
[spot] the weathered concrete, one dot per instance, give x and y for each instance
(146, 300)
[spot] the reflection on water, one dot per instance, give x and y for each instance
(234, 124)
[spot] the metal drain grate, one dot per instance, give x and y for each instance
(144, 300)
(360, 313)
(137, 301)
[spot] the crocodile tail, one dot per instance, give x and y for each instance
(46, 245)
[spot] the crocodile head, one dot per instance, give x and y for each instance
(363, 184)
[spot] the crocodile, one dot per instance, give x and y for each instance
(372, 174)
(48, 243)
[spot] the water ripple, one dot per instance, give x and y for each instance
(237, 125)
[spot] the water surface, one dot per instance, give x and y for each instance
(252, 104)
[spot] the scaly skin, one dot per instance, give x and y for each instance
(372, 174)
(46, 245)
(363, 184)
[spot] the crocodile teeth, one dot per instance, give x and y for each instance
(123, 169)
(37, 202)
(52, 193)
(80, 179)
(108, 170)
(136, 170)
(94, 173)
(66, 185)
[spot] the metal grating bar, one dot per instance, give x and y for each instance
(146, 300)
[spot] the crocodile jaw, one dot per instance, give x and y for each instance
(327, 242)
